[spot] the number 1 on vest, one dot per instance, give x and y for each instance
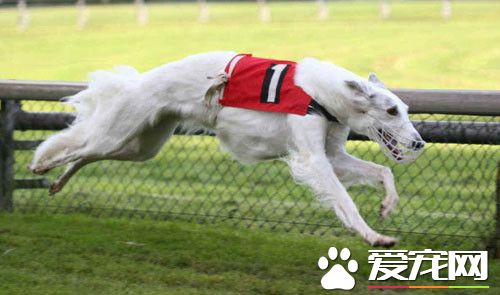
(271, 87)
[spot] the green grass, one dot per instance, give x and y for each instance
(77, 254)
(447, 196)
(414, 48)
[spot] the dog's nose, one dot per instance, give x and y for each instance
(418, 144)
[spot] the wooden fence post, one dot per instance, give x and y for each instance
(446, 11)
(83, 13)
(23, 19)
(264, 11)
(494, 246)
(385, 9)
(322, 10)
(204, 13)
(142, 12)
(7, 154)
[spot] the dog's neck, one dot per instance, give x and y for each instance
(316, 108)
(325, 82)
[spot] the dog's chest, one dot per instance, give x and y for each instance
(264, 85)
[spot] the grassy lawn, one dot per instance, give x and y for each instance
(447, 196)
(414, 48)
(75, 254)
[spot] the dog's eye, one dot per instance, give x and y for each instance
(393, 111)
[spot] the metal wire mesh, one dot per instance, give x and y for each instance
(447, 196)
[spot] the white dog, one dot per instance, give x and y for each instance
(124, 115)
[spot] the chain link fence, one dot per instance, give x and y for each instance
(448, 196)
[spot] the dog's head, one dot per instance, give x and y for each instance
(378, 113)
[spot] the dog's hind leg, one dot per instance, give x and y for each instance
(82, 141)
(68, 173)
(57, 150)
(309, 164)
(143, 147)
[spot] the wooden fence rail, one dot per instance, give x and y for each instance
(431, 131)
(454, 102)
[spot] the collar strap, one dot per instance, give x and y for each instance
(315, 108)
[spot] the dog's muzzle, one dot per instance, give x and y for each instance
(396, 146)
(418, 144)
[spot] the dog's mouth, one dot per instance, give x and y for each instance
(391, 144)
(395, 146)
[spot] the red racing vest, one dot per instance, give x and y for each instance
(264, 85)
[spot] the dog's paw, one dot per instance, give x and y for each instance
(38, 170)
(382, 241)
(55, 188)
(387, 206)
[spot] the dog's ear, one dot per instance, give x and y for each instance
(66, 98)
(361, 97)
(358, 88)
(375, 80)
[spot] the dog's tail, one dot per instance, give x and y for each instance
(103, 87)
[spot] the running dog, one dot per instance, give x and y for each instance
(259, 109)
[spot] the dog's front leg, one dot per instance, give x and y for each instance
(352, 170)
(309, 164)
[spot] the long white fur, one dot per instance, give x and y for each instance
(124, 115)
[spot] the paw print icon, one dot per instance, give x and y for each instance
(337, 276)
